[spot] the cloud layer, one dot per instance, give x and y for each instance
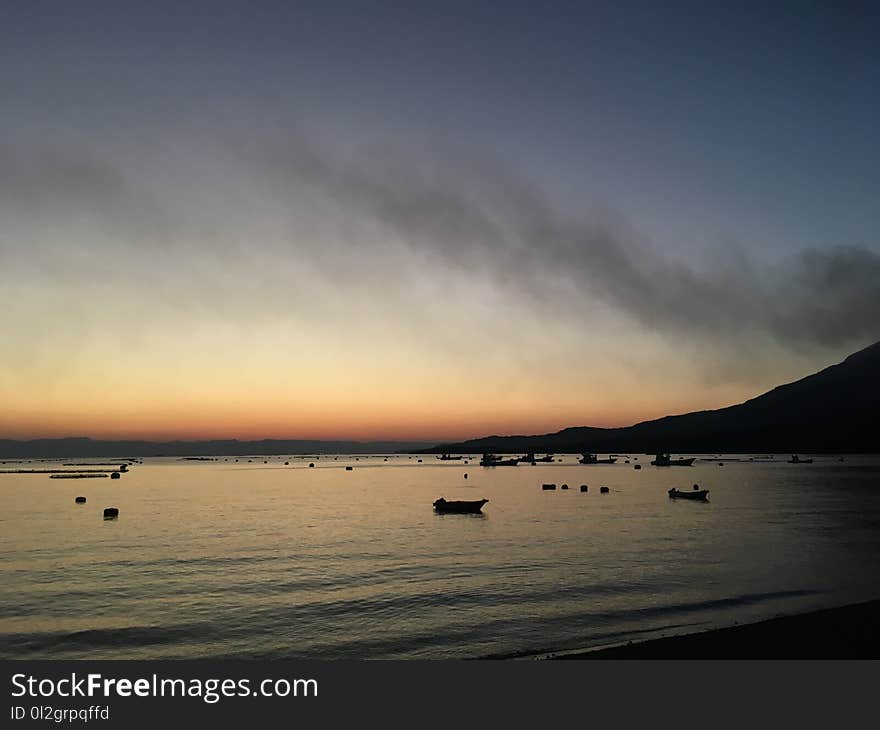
(393, 268)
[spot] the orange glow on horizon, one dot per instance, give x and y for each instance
(428, 422)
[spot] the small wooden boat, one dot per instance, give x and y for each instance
(701, 495)
(447, 457)
(114, 475)
(459, 507)
(111, 513)
(795, 459)
(548, 487)
(664, 460)
(593, 459)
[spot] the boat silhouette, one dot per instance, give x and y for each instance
(460, 506)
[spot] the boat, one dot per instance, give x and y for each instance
(664, 460)
(459, 507)
(530, 458)
(593, 459)
(447, 457)
(795, 459)
(492, 460)
(696, 493)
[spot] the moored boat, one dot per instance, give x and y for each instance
(459, 506)
(447, 457)
(530, 458)
(701, 495)
(795, 459)
(492, 460)
(593, 459)
(665, 460)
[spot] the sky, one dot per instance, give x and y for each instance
(427, 220)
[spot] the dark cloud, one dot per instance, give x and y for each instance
(485, 219)
(358, 213)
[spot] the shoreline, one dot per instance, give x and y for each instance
(846, 632)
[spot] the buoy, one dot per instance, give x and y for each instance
(548, 487)
(311, 465)
(584, 487)
(110, 513)
(420, 461)
(720, 463)
(465, 475)
(286, 463)
(564, 486)
(637, 467)
(114, 475)
(604, 490)
(80, 500)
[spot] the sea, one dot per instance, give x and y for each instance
(269, 557)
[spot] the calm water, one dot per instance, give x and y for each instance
(251, 559)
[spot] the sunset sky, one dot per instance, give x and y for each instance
(427, 220)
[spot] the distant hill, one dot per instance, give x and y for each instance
(85, 447)
(834, 410)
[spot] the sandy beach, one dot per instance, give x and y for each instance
(848, 632)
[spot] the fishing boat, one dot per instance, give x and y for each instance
(530, 458)
(447, 457)
(459, 507)
(696, 493)
(664, 460)
(795, 459)
(593, 459)
(492, 460)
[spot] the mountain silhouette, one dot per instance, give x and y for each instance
(834, 410)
